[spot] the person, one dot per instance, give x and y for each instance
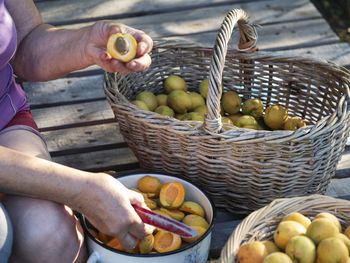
(39, 195)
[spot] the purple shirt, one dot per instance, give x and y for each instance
(12, 96)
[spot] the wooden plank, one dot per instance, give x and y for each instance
(112, 159)
(66, 10)
(83, 137)
(63, 116)
(282, 35)
(338, 53)
(41, 94)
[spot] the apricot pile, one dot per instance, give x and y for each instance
(298, 238)
(168, 199)
(177, 101)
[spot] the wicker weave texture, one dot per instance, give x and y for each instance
(241, 169)
(261, 224)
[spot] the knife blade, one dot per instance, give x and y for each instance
(164, 222)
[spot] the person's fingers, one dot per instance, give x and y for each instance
(140, 63)
(128, 241)
(144, 44)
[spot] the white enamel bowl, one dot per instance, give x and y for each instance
(195, 252)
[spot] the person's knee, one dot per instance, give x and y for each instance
(5, 235)
(44, 229)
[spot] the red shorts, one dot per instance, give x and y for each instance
(23, 118)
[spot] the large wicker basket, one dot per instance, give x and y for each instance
(261, 224)
(241, 169)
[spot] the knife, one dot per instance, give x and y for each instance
(164, 222)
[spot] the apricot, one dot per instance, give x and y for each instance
(195, 220)
(192, 207)
(200, 230)
(150, 203)
(103, 237)
(172, 195)
(93, 233)
(173, 213)
(162, 213)
(165, 241)
(146, 244)
(149, 184)
(114, 243)
(122, 46)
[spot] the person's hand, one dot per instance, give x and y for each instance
(96, 48)
(110, 210)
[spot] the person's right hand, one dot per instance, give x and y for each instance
(95, 47)
(108, 206)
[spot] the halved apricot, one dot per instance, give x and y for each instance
(165, 241)
(93, 232)
(114, 243)
(192, 207)
(162, 213)
(200, 230)
(172, 195)
(122, 46)
(174, 213)
(146, 244)
(150, 203)
(103, 237)
(149, 185)
(195, 220)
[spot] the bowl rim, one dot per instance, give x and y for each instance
(82, 220)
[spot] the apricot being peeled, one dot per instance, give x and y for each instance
(122, 46)
(146, 244)
(172, 195)
(165, 241)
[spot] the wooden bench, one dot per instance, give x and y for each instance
(78, 123)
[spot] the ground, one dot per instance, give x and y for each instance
(337, 13)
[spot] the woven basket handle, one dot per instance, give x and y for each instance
(247, 41)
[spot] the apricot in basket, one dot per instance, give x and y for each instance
(122, 46)
(174, 82)
(231, 102)
(298, 217)
(254, 251)
(275, 116)
(331, 217)
(294, 123)
(172, 195)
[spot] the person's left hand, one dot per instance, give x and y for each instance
(95, 48)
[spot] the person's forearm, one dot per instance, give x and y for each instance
(21, 174)
(47, 53)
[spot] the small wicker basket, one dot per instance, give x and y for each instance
(261, 224)
(241, 169)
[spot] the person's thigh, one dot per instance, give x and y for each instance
(5, 235)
